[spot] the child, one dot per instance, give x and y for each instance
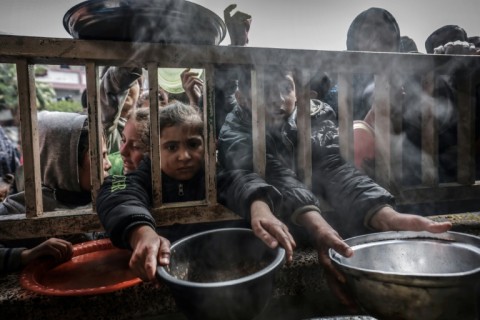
(135, 143)
(182, 150)
(123, 201)
(64, 164)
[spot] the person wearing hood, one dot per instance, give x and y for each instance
(64, 164)
(65, 173)
(375, 30)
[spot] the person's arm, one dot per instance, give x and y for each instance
(114, 86)
(13, 259)
(123, 204)
(10, 259)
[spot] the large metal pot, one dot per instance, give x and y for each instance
(221, 274)
(414, 275)
(157, 21)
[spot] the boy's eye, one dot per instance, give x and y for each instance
(194, 144)
(171, 147)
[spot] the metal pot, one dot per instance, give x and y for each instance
(155, 21)
(221, 274)
(414, 275)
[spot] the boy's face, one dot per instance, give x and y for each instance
(182, 152)
(281, 98)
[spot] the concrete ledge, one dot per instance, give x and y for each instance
(301, 292)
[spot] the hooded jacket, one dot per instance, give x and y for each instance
(59, 136)
(374, 29)
(123, 202)
(354, 196)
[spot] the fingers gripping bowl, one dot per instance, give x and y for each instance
(221, 274)
(414, 275)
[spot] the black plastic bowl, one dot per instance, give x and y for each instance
(221, 274)
(155, 21)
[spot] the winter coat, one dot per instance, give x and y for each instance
(10, 259)
(353, 196)
(123, 202)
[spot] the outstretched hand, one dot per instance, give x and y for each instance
(60, 250)
(387, 219)
(238, 25)
(149, 250)
(324, 237)
(269, 229)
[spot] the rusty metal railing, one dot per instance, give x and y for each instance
(25, 52)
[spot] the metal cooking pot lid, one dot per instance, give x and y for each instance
(159, 21)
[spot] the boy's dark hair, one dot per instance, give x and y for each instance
(178, 113)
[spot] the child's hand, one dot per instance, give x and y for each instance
(193, 86)
(61, 250)
(238, 25)
(149, 250)
(269, 229)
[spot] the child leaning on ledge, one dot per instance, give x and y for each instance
(123, 202)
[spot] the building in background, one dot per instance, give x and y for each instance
(67, 81)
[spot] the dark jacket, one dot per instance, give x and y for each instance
(353, 195)
(123, 202)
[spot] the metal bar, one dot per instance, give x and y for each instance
(209, 135)
(70, 51)
(345, 116)
(27, 107)
(429, 158)
(155, 129)
(466, 130)
(383, 131)
(258, 120)
(304, 133)
(95, 136)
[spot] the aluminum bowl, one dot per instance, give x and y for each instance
(414, 275)
(221, 274)
(154, 21)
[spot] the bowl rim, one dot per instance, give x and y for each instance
(166, 276)
(471, 241)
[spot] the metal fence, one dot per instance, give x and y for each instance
(25, 52)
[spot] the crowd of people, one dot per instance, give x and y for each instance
(278, 207)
